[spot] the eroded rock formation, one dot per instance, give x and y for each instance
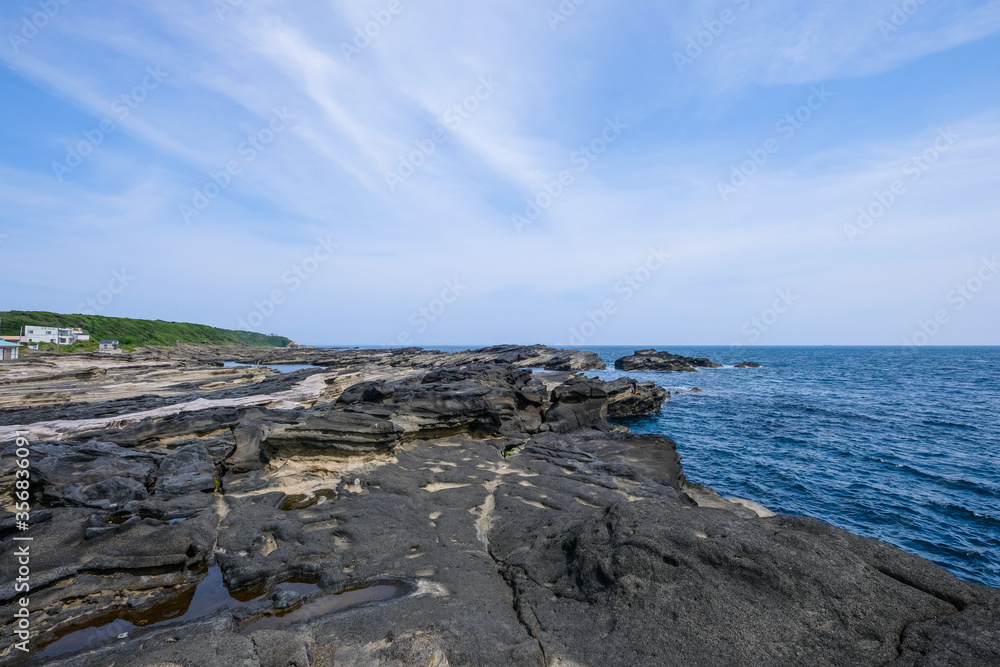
(475, 513)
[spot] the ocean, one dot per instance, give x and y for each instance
(899, 444)
(896, 444)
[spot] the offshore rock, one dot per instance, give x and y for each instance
(654, 360)
(628, 398)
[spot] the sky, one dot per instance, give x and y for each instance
(408, 172)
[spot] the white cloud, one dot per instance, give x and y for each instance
(794, 42)
(451, 219)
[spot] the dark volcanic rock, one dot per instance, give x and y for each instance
(628, 398)
(658, 583)
(186, 470)
(748, 364)
(366, 392)
(247, 435)
(578, 403)
(435, 409)
(653, 360)
(336, 432)
(511, 524)
(96, 474)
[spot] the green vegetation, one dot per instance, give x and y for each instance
(82, 346)
(131, 333)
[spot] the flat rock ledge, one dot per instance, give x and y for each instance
(517, 523)
(532, 356)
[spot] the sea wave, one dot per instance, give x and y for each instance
(881, 443)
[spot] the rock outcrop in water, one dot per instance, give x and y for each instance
(654, 360)
(486, 515)
(628, 398)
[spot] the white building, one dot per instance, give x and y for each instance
(35, 334)
(8, 351)
(109, 347)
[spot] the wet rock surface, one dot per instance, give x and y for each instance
(473, 513)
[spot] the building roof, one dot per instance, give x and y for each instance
(4, 343)
(108, 342)
(51, 326)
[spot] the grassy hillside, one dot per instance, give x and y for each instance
(134, 333)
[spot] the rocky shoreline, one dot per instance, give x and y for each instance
(413, 507)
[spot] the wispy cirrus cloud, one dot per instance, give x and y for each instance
(354, 118)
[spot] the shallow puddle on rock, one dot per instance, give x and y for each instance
(284, 368)
(287, 603)
(328, 604)
(299, 587)
(200, 600)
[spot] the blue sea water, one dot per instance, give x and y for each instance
(284, 368)
(899, 444)
(892, 443)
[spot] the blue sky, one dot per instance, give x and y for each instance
(474, 173)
